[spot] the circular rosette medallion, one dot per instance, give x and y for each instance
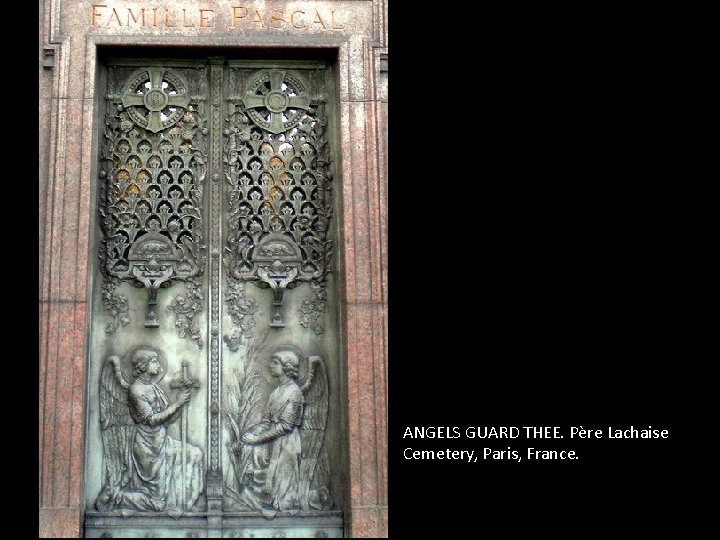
(155, 98)
(275, 100)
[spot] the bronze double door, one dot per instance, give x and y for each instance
(214, 384)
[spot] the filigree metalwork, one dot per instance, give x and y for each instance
(280, 201)
(275, 100)
(152, 172)
(155, 98)
(186, 307)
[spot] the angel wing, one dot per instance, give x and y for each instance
(314, 469)
(116, 424)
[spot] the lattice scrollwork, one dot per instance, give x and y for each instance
(152, 171)
(280, 201)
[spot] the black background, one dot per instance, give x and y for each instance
(541, 267)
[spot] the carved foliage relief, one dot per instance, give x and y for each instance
(280, 197)
(152, 171)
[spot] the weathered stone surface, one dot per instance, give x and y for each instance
(46, 119)
(369, 522)
(59, 522)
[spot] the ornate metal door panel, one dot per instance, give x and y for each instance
(214, 403)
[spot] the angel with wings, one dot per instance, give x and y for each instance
(144, 467)
(288, 467)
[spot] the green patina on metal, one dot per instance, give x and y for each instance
(214, 384)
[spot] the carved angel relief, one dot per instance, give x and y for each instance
(277, 450)
(152, 172)
(145, 468)
(280, 200)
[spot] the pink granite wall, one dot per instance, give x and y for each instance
(364, 144)
(65, 117)
(64, 213)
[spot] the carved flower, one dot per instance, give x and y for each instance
(188, 117)
(235, 196)
(321, 224)
(125, 219)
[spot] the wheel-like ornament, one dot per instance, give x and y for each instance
(155, 98)
(275, 100)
